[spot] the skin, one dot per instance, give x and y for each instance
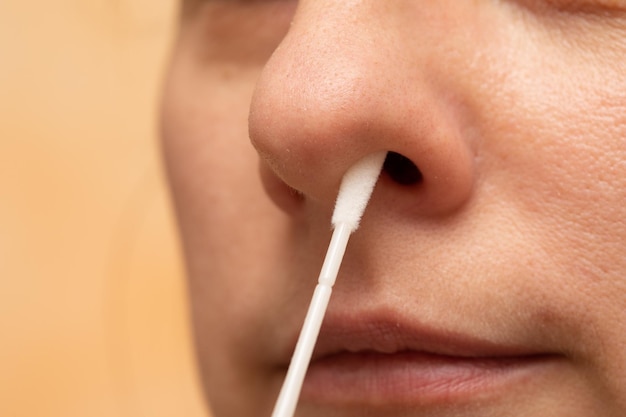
(514, 112)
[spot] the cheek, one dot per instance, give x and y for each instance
(553, 153)
(223, 213)
(552, 123)
(569, 166)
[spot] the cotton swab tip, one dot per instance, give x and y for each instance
(356, 189)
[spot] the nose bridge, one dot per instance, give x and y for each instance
(345, 82)
(337, 47)
(324, 68)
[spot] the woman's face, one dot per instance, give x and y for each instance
(494, 285)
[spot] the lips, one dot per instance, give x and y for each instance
(386, 359)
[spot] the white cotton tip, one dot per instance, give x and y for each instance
(356, 189)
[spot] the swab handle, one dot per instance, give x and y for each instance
(334, 254)
(290, 392)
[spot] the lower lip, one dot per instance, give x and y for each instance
(413, 378)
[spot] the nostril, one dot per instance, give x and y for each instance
(401, 169)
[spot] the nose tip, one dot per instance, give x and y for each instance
(303, 122)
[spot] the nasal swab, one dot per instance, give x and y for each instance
(354, 193)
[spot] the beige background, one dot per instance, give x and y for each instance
(92, 300)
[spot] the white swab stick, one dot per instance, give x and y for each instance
(354, 193)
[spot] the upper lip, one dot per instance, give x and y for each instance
(393, 333)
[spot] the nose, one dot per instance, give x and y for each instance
(356, 77)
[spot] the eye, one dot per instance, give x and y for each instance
(600, 7)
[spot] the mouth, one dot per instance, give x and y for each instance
(382, 362)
